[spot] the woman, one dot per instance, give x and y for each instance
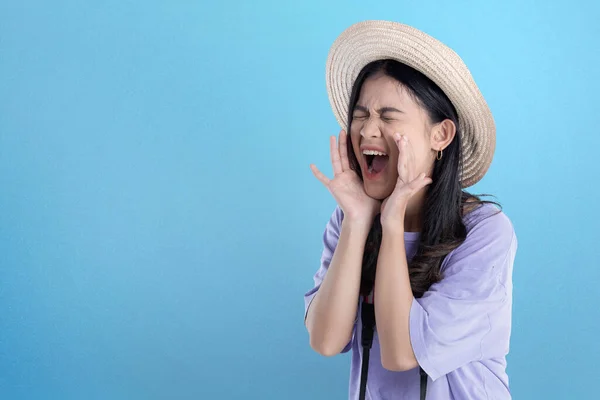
(416, 274)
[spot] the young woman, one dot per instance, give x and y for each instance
(416, 273)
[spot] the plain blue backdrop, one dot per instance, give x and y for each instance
(159, 223)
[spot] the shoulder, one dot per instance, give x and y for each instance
(333, 229)
(491, 238)
(488, 220)
(338, 215)
(335, 221)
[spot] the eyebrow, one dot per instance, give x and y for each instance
(380, 111)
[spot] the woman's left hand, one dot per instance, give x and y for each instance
(394, 207)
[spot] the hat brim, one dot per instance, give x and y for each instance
(369, 41)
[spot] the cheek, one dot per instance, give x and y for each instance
(392, 146)
(355, 130)
(422, 158)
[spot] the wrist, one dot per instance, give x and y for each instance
(393, 229)
(393, 226)
(358, 225)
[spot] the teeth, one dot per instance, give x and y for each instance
(373, 153)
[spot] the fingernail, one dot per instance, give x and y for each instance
(397, 136)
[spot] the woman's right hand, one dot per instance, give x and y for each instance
(346, 186)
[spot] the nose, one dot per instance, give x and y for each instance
(370, 130)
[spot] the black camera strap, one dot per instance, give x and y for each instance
(368, 329)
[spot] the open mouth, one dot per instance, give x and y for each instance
(376, 161)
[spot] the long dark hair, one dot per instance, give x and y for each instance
(445, 202)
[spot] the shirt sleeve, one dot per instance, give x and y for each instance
(330, 240)
(466, 316)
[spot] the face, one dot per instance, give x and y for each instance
(385, 107)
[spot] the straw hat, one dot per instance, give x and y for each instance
(369, 41)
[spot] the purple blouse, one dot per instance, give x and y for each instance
(460, 328)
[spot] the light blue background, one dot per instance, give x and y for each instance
(159, 223)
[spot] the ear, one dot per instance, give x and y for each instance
(442, 134)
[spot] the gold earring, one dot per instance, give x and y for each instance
(439, 155)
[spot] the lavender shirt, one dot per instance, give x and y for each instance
(460, 328)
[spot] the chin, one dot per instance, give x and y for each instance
(378, 191)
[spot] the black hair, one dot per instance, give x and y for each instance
(446, 203)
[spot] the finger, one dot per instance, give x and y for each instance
(335, 156)
(410, 159)
(344, 150)
(319, 175)
(402, 159)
